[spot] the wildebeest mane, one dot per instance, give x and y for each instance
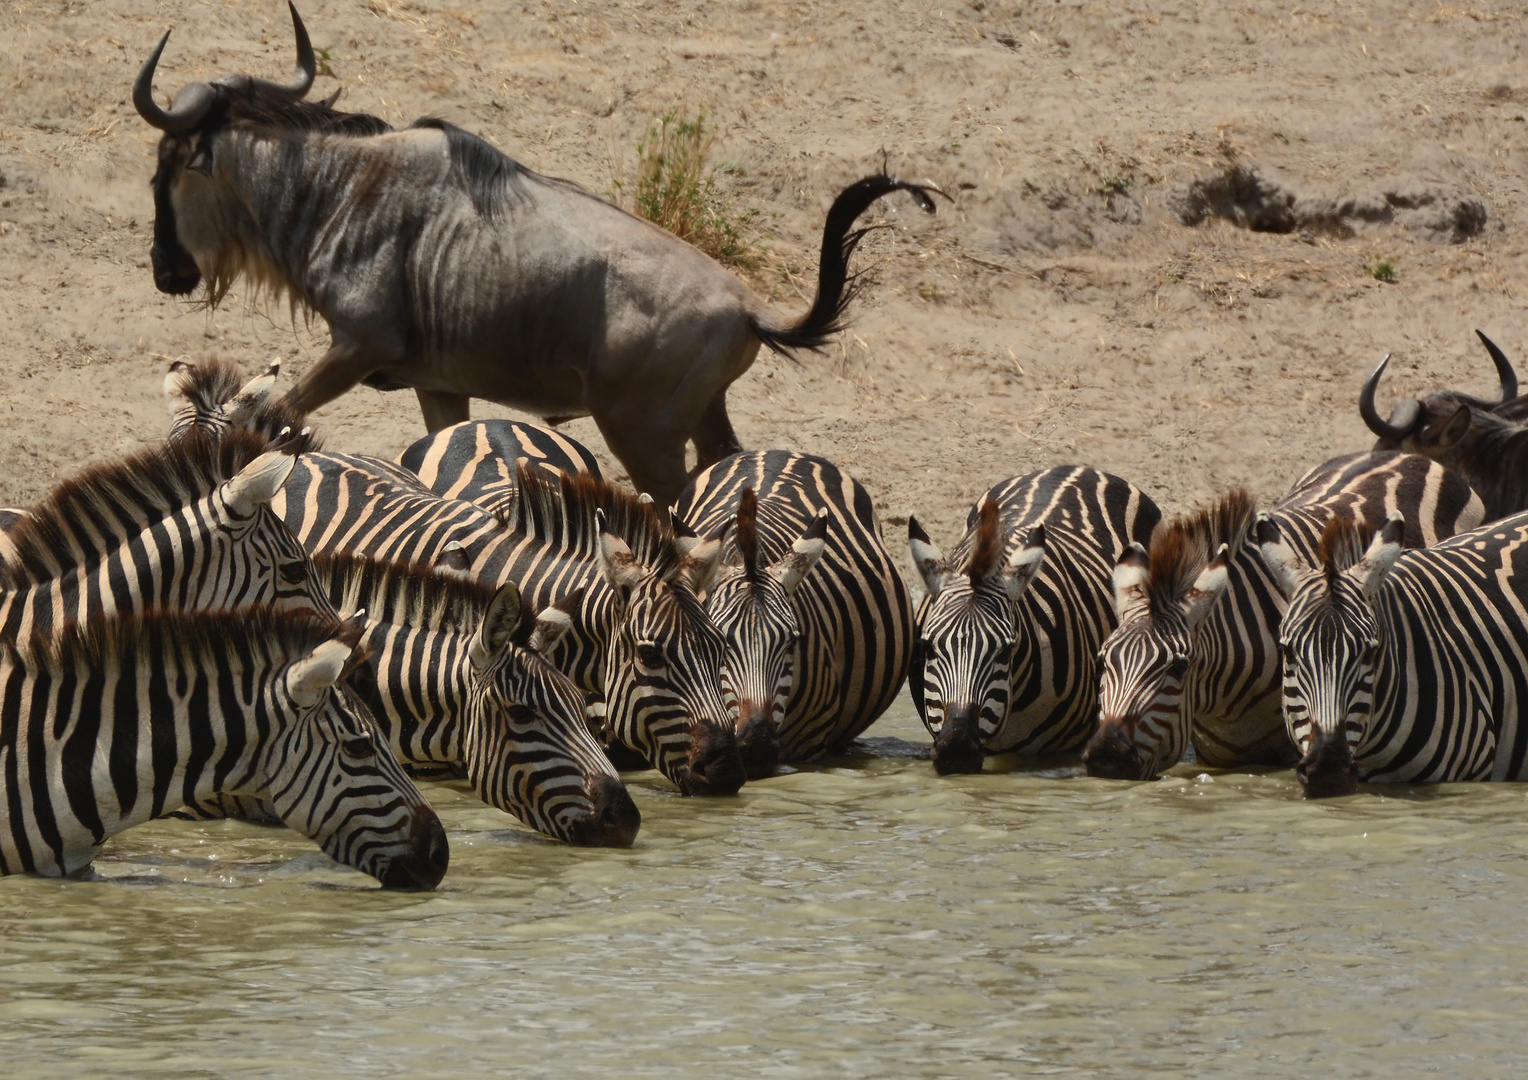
(558, 508)
(493, 179)
(258, 107)
(1180, 551)
(120, 499)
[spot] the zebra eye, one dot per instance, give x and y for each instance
(649, 655)
(359, 746)
(294, 572)
(1178, 667)
(520, 713)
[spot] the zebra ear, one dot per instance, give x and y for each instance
(258, 482)
(618, 565)
(685, 538)
(1371, 570)
(494, 631)
(805, 552)
(1208, 587)
(454, 558)
(927, 558)
(548, 629)
(177, 386)
(1282, 563)
(253, 393)
(698, 567)
(309, 679)
(1024, 564)
(1130, 596)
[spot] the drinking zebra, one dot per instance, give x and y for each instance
(1186, 665)
(1404, 667)
(452, 675)
(475, 460)
(1007, 653)
(817, 618)
(119, 720)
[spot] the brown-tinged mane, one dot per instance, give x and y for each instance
(558, 509)
(120, 499)
(748, 532)
(205, 386)
(1181, 550)
(1343, 543)
(987, 545)
(403, 593)
(254, 106)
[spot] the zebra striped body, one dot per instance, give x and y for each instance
(513, 720)
(475, 460)
(1007, 656)
(814, 654)
(1407, 667)
(123, 720)
(187, 526)
(1198, 660)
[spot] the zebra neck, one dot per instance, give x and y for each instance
(418, 689)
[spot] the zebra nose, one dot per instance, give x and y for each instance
(715, 767)
(614, 820)
(758, 740)
(958, 746)
(1111, 756)
(422, 867)
(1327, 769)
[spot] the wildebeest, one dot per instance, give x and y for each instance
(1485, 442)
(443, 265)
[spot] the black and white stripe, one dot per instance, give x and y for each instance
(121, 720)
(817, 618)
(1195, 656)
(1407, 667)
(475, 460)
(1007, 653)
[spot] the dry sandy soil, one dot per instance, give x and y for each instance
(1061, 310)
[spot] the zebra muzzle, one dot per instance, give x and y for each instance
(1111, 756)
(614, 819)
(958, 746)
(758, 740)
(714, 767)
(1327, 770)
(424, 864)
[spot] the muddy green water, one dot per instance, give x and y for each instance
(862, 920)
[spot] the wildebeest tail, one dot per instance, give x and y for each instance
(835, 285)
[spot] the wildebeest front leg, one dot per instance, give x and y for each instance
(442, 410)
(338, 370)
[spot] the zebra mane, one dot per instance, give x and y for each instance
(986, 543)
(1343, 543)
(748, 532)
(1180, 551)
(558, 508)
(402, 593)
(205, 386)
(212, 384)
(279, 636)
(119, 499)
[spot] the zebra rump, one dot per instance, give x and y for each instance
(475, 460)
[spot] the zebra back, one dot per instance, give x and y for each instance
(1405, 666)
(851, 613)
(475, 460)
(120, 720)
(1014, 664)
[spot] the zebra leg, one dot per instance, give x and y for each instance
(442, 410)
(714, 437)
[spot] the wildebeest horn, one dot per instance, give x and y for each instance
(307, 66)
(1503, 368)
(191, 104)
(1406, 414)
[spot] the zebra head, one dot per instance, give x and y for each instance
(663, 668)
(1142, 723)
(331, 776)
(1330, 643)
(260, 558)
(970, 636)
(213, 396)
(751, 606)
(528, 748)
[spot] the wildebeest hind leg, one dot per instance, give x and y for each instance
(714, 437)
(654, 460)
(443, 410)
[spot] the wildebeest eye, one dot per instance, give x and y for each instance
(294, 572)
(649, 655)
(360, 747)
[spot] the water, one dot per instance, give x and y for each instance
(870, 920)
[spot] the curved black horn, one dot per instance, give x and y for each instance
(1503, 368)
(1366, 408)
(191, 105)
(307, 66)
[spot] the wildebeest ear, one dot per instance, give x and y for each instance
(1450, 432)
(258, 482)
(927, 558)
(1208, 587)
(200, 160)
(1024, 564)
(618, 565)
(1130, 596)
(494, 631)
(1282, 563)
(805, 552)
(1371, 570)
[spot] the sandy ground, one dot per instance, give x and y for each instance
(1061, 310)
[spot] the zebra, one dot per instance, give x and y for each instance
(818, 620)
(452, 674)
(1007, 653)
(187, 525)
(120, 719)
(475, 460)
(1404, 667)
(213, 396)
(1184, 665)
